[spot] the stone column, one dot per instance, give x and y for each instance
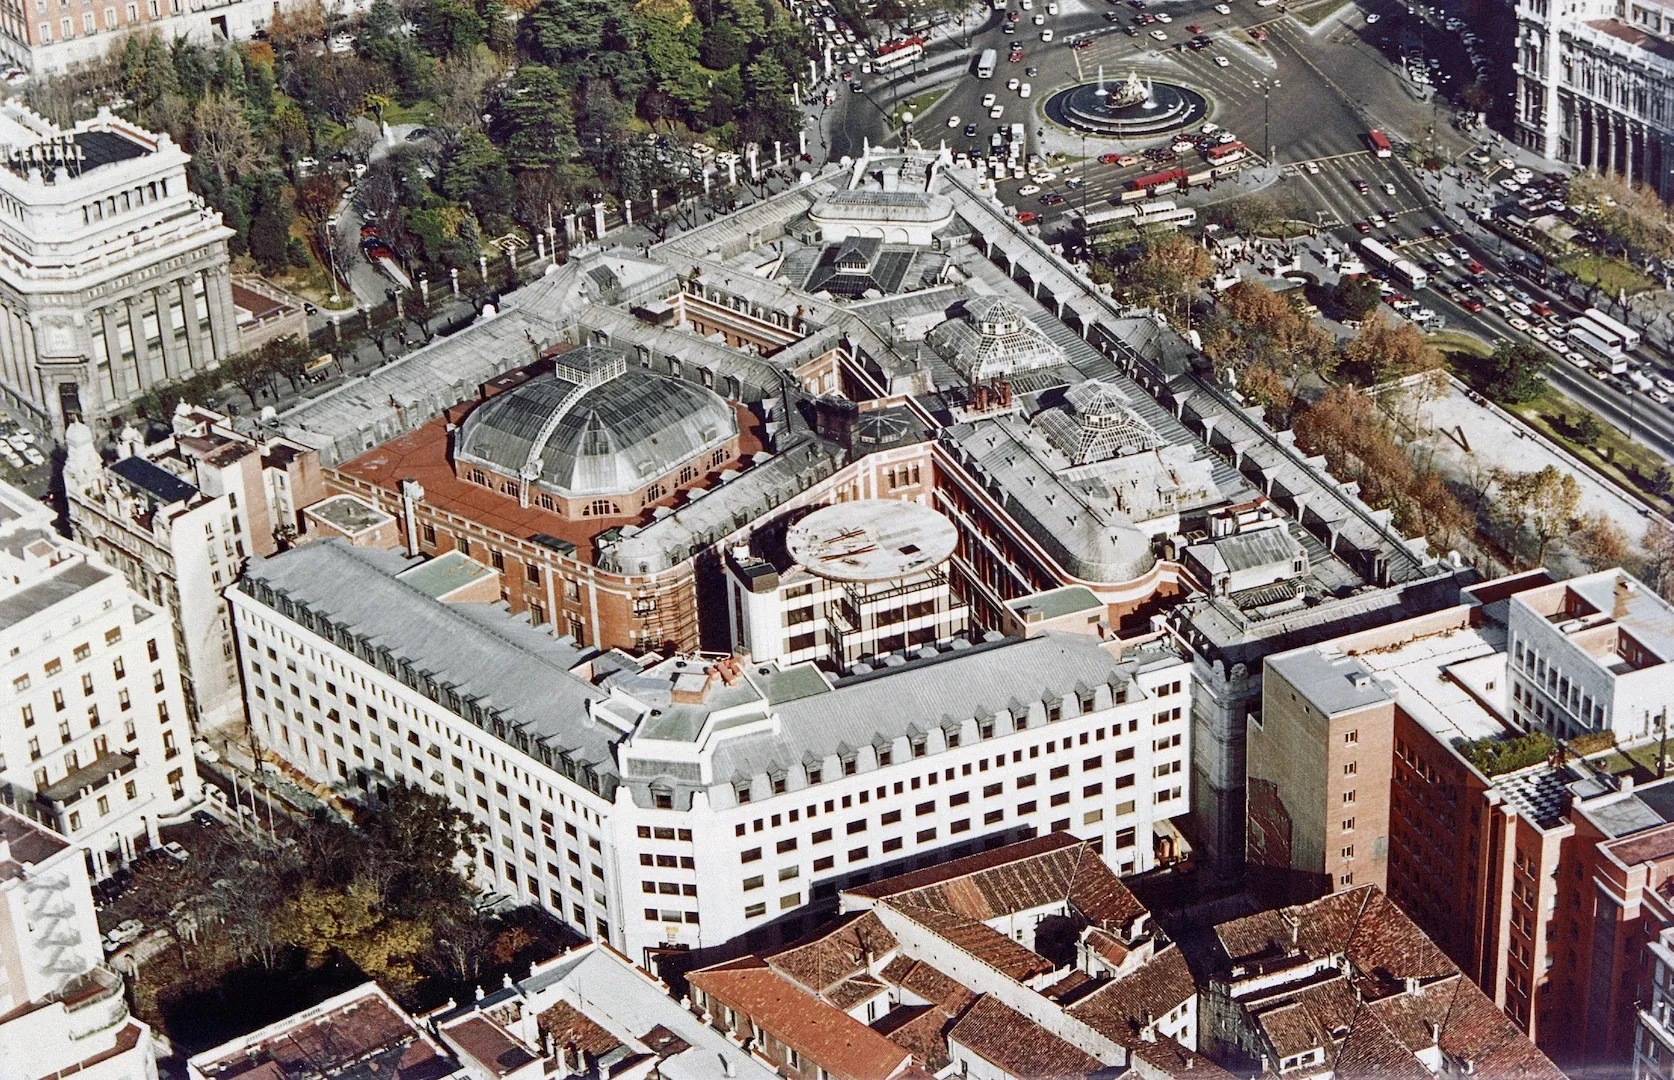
(159, 298)
(142, 350)
(202, 357)
(118, 371)
(223, 321)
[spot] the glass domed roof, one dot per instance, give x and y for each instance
(595, 426)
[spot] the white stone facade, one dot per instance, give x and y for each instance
(700, 851)
(93, 730)
(113, 275)
(61, 1010)
(1595, 85)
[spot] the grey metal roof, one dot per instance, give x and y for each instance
(1331, 683)
(1247, 550)
(480, 651)
(918, 207)
(954, 686)
(52, 589)
(614, 437)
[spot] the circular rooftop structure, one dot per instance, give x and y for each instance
(595, 426)
(871, 540)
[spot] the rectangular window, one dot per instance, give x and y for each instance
(925, 835)
(750, 856)
(890, 818)
(857, 854)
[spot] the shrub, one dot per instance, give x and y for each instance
(1495, 756)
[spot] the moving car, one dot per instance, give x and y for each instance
(1221, 61)
(1159, 35)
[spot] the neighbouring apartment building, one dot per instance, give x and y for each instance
(1348, 986)
(678, 803)
(1027, 961)
(1653, 1046)
(179, 517)
(113, 274)
(62, 1012)
(94, 739)
(1538, 874)
(1595, 86)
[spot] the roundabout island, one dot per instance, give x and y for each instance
(1134, 108)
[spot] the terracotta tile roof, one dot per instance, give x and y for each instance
(921, 1030)
(1372, 1021)
(851, 992)
(1071, 987)
(1167, 1056)
(971, 864)
(488, 1044)
(983, 942)
(1018, 1045)
(1362, 924)
(835, 953)
(829, 1037)
(570, 1027)
(1050, 869)
(1118, 1009)
(929, 983)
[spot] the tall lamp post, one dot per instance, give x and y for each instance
(1267, 86)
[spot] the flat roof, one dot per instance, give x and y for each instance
(446, 574)
(871, 540)
(1441, 680)
(1056, 603)
(349, 513)
(1332, 683)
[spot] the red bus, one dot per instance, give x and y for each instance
(1380, 143)
(898, 53)
(1226, 152)
(1167, 180)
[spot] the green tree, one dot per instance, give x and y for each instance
(1547, 501)
(249, 372)
(270, 224)
(475, 172)
(450, 27)
(1356, 297)
(286, 357)
(1588, 430)
(1514, 372)
(539, 120)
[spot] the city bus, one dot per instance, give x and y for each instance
(1380, 143)
(1164, 212)
(986, 62)
(1628, 336)
(1606, 350)
(1156, 184)
(1408, 273)
(898, 54)
(1226, 153)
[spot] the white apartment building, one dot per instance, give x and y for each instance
(62, 1011)
(93, 731)
(680, 803)
(848, 583)
(1589, 654)
(113, 275)
(1595, 85)
(179, 517)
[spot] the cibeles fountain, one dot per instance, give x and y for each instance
(1134, 108)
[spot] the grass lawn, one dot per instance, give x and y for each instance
(1451, 341)
(1641, 761)
(1611, 275)
(918, 105)
(1314, 14)
(419, 112)
(1615, 454)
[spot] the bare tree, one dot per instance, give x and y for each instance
(221, 137)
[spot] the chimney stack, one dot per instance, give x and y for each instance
(1624, 588)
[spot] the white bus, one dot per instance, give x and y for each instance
(1164, 212)
(1629, 336)
(986, 62)
(1408, 273)
(1597, 344)
(898, 54)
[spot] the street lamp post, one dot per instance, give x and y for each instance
(1267, 86)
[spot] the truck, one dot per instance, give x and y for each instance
(986, 62)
